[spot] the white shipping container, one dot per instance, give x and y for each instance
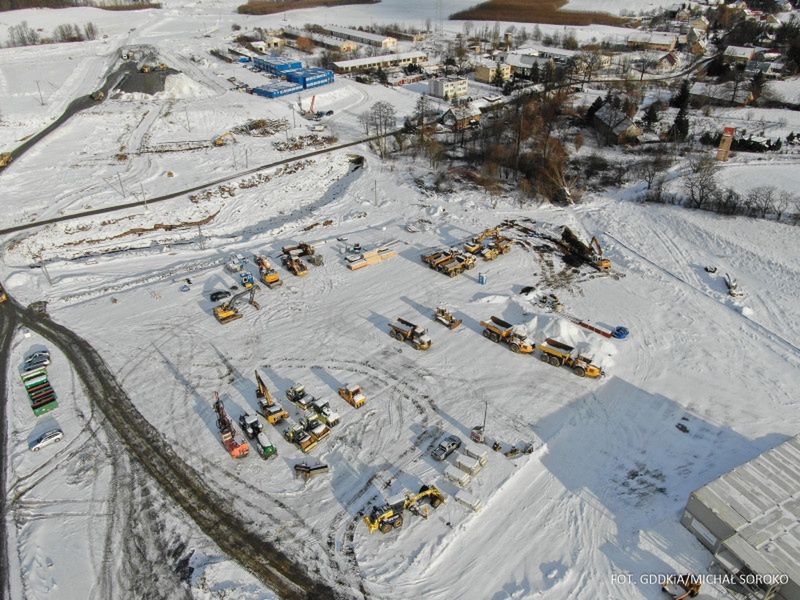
(457, 476)
(468, 500)
(467, 464)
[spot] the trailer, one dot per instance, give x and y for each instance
(468, 500)
(457, 476)
(468, 464)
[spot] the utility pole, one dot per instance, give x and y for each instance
(41, 100)
(122, 187)
(200, 237)
(46, 274)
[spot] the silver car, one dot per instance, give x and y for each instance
(47, 438)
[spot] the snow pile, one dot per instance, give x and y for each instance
(543, 326)
(181, 86)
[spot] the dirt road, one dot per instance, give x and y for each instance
(211, 512)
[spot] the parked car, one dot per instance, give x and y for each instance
(446, 447)
(47, 438)
(219, 295)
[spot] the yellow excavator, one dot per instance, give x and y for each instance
(227, 311)
(388, 516)
(5, 159)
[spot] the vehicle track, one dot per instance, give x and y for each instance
(210, 511)
(8, 324)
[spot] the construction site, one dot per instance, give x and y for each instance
(280, 362)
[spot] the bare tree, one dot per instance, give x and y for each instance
(761, 199)
(652, 168)
(701, 183)
(383, 119)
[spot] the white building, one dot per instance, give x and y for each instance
(361, 37)
(448, 88)
(400, 59)
(750, 519)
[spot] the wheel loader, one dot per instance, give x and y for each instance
(406, 331)
(446, 318)
(559, 354)
(294, 265)
(353, 395)
(499, 331)
(267, 273)
(389, 516)
(299, 436)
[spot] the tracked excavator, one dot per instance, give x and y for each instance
(227, 311)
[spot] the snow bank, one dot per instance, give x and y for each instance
(543, 326)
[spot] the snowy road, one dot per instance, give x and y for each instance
(212, 513)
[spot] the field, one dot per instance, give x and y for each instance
(268, 7)
(534, 11)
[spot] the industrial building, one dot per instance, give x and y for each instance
(448, 88)
(749, 519)
(279, 88)
(656, 40)
(361, 37)
(277, 65)
(310, 78)
(326, 41)
(400, 59)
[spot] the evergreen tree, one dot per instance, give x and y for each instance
(651, 115)
(680, 128)
(681, 99)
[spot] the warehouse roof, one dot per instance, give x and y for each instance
(364, 35)
(761, 501)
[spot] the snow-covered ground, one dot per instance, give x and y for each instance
(603, 489)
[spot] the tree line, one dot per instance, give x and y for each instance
(24, 35)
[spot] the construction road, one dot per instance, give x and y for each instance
(210, 511)
(197, 188)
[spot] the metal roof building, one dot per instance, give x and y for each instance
(750, 519)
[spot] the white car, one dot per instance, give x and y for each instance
(47, 438)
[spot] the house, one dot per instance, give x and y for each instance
(459, 118)
(739, 55)
(655, 40)
(698, 46)
(720, 94)
(560, 56)
(448, 88)
(522, 65)
(668, 62)
(397, 76)
(614, 126)
(326, 41)
(770, 70)
(700, 23)
(748, 518)
(488, 71)
(372, 63)
(361, 37)
(269, 43)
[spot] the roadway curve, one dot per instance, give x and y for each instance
(211, 512)
(77, 105)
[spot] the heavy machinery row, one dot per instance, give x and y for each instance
(315, 418)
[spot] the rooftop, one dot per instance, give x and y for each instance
(355, 32)
(357, 62)
(761, 501)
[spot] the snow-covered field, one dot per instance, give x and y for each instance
(610, 472)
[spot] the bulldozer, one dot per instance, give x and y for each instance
(388, 516)
(267, 273)
(294, 265)
(406, 331)
(235, 448)
(5, 159)
(269, 408)
(576, 250)
(353, 395)
(446, 318)
(559, 354)
(227, 311)
(499, 331)
(222, 139)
